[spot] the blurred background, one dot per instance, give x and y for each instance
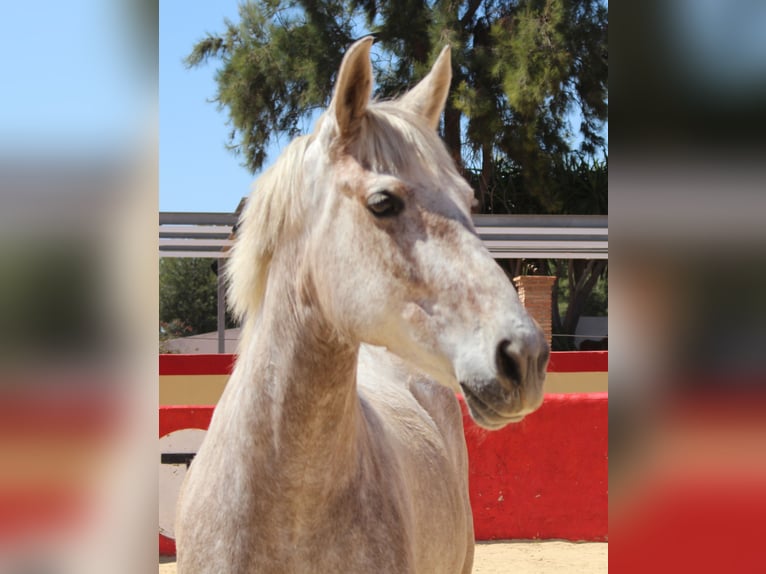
(78, 296)
(687, 202)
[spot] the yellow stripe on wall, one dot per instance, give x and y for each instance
(207, 389)
(577, 382)
(191, 389)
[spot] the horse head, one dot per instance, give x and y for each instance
(388, 252)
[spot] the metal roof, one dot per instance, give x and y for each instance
(506, 236)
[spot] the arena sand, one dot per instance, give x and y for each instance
(523, 557)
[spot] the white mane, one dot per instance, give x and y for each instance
(274, 205)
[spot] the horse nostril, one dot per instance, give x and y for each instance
(507, 364)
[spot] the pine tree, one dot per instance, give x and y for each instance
(521, 70)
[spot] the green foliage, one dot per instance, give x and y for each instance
(188, 297)
(597, 304)
(583, 285)
(277, 66)
(522, 69)
(577, 185)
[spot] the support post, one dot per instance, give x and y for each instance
(221, 307)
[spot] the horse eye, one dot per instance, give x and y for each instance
(384, 204)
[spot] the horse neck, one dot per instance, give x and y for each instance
(305, 394)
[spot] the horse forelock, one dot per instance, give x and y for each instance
(396, 141)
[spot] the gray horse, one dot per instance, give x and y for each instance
(368, 303)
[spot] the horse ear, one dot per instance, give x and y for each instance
(429, 96)
(353, 87)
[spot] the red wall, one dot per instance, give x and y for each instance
(545, 477)
(560, 362)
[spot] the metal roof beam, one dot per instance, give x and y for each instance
(506, 236)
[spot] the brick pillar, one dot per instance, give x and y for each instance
(535, 292)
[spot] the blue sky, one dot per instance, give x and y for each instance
(197, 172)
(84, 90)
(73, 81)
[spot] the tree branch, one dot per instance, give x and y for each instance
(471, 12)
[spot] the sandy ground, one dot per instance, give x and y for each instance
(525, 557)
(541, 557)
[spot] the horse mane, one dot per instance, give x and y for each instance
(390, 140)
(273, 205)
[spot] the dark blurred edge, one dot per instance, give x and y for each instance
(687, 205)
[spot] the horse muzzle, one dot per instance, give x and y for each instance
(514, 392)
